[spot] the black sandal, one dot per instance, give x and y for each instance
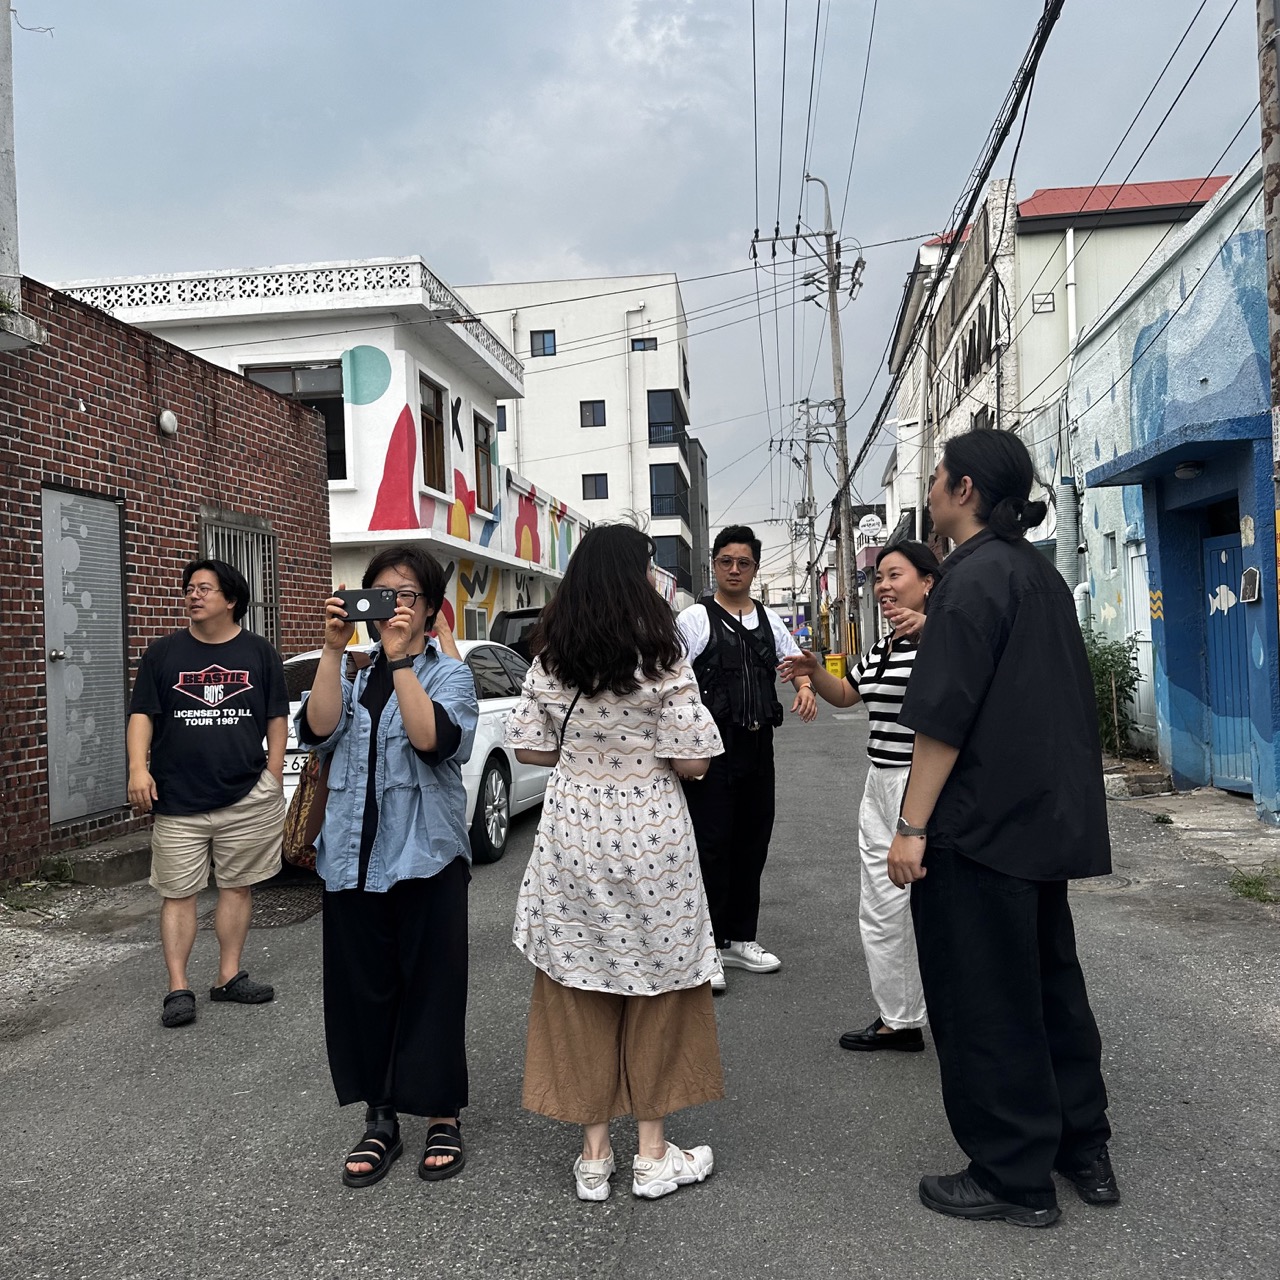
(179, 1008)
(443, 1140)
(380, 1147)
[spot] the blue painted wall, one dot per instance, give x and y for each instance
(1186, 347)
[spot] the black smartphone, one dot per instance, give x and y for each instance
(375, 605)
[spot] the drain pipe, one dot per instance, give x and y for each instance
(516, 423)
(1066, 554)
(626, 365)
(1083, 615)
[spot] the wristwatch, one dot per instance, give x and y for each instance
(906, 829)
(399, 664)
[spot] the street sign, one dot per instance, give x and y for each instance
(870, 525)
(862, 577)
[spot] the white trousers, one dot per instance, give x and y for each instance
(884, 912)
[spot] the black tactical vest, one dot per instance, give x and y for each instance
(737, 671)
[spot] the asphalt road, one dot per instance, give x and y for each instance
(215, 1150)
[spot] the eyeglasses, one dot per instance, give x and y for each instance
(409, 598)
(728, 562)
(200, 589)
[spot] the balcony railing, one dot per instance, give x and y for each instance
(670, 504)
(669, 433)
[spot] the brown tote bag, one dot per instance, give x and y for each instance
(305, 817)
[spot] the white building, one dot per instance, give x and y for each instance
(409, 382)
(605, 413)
(996, 350)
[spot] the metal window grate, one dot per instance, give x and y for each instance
(248, 543)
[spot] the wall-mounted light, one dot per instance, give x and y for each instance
(1188, 470)
(167, 421)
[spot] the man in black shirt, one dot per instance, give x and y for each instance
(1006, 794)
(202, 703)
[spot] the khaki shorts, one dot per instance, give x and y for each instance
(242, 843)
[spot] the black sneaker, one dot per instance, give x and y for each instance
(1096, 1181)
(909, 1040)
(958, 1195)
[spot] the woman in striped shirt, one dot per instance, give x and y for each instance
(905, 574)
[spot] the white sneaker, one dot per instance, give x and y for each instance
(592, 1177)
(751, 956)
(718, 985)
(653, 1178)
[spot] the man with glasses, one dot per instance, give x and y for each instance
(204, 699)
(735, 645)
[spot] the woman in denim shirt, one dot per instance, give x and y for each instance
(395, 855)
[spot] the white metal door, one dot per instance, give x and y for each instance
(1138, 620)
(84, 654)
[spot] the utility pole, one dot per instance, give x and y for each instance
(806, 515)
(1269, 97)
(848, 553)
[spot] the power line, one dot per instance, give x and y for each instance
(999, 131)
(857, 126)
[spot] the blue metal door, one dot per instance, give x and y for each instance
(1227, 655)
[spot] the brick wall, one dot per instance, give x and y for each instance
(239, 447)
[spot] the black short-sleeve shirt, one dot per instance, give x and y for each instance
(1001, 674)
(209, 706)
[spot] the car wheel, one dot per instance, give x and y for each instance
(492, 822)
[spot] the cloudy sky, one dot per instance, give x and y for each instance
(555, 138)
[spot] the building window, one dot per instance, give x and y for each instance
(644, 344)
(319, 387)
(248, 543)
(484, 463)
(475, 623)
(595, 486)
(668, 491)
(668, 422)
(592, 413)
(1041, 304)
(981, 421)
(1110, 557)
(676, 556)
(542, 342)
(431, 402)
(502, 417)
(684, 367)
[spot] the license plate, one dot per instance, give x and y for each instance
(295, 763)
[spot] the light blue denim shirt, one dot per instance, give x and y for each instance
(422, 808)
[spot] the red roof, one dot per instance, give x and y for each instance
(947, 236)
(1057, 202)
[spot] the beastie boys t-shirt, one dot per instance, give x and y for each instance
(209, 705)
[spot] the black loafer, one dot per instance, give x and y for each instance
(910, 1040)
(958, 1195)
(1096, 1181)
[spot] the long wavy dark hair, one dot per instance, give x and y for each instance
(606, 623)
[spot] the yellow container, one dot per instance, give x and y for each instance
(838, 665)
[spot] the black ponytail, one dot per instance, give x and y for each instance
(998, 464)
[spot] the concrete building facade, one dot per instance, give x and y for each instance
(413, 388)
(605, 415)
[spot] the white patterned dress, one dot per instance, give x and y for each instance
(612, 898)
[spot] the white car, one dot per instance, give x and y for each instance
(498, 786)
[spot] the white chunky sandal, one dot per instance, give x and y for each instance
(651, 1179)
(592, 1177)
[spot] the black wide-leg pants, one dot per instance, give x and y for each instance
(1018, 1047)
(395, 993)
(732, 809)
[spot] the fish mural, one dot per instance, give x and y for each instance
(1221, 600)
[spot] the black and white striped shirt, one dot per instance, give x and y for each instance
(889, 745)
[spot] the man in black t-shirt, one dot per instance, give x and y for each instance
(203, 701)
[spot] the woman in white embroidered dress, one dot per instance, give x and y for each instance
(612, 911)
